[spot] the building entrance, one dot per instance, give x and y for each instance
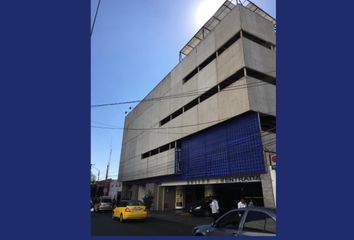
(229, 194)
(193, 194)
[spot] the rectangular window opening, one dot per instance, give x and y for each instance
(145, 155)
(164, 148)
(258, 40)
(154, 152)
(190, 75)
(207, 61)
(176, 113)
(233, 78)
(209, 93)
(228, 43)
(190, 104)
(165, 120)
(260, 76)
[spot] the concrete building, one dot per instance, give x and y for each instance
(208, 128)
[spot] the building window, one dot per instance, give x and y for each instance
(260, 76)
(190, 75)
(207, 61)
(228, 43)
(257, 40)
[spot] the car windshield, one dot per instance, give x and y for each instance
(135, 203)
(106, 200)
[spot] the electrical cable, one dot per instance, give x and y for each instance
(185, 94)
(94, 20)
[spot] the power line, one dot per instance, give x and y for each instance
(152, 130)
(166, 166)
(94, 20)
(185, 94)
(105, 124)
(171, 164)
(159, 128)
(243, 140)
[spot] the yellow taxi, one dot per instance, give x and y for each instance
(128, 209)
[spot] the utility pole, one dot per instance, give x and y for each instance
(109, 162)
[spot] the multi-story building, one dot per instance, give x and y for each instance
(208, 128)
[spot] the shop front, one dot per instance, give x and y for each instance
(227, 190)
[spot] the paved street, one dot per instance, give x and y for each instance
(157, 224)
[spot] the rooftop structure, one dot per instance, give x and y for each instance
(220, 14)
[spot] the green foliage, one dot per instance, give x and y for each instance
(148, 198)
(93, 178)
(96, 191)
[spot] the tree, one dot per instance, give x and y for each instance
(148, 198)
(93, 177)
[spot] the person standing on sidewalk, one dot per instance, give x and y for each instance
(214, 205)
(251, 203)
(242, 203)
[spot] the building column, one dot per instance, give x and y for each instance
(135, 190)
(267, 190)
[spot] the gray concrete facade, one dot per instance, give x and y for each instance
(246, 94)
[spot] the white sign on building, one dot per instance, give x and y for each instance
(114, 188)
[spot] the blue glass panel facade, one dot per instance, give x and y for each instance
(233, 148)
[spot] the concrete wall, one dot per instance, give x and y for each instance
(234, 100)
(261, 96)
(267, 188)
(257, 25)
(227, 28)
(268, 140)
(259, 58)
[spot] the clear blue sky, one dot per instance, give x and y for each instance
(134, 45)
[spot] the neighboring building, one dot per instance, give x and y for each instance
(208, 127)
(115, 189)
(104, 185)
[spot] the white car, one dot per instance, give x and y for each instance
(241, 222)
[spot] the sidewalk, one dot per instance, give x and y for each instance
(180, 217)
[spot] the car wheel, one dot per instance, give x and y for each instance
(121, 218)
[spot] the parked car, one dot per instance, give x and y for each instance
(127, 209)
(241, 222)
(103, 204)
(201, 208)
